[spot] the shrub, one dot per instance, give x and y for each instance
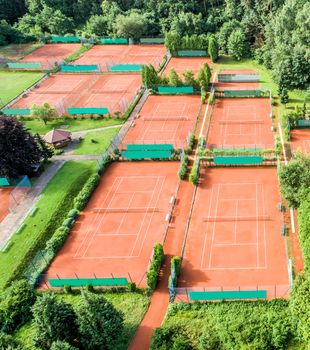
(82, 198)
(183, 170)
(132, 287)
(153, 273)
(194, 174)
(89, 288)
(58, 239)
(67, 289)
(103, 164)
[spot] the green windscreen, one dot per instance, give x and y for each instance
(81, 282)
(228, 295)
(175, 89)
(88, 110)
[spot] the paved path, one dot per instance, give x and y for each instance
(67, 157)
(13, 220)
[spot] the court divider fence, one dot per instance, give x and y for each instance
(65, 39)
(113, 41)
(192, 53)
(238, 78)
(79, 68)
(24, 65)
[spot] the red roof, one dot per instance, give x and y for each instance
(56, 135)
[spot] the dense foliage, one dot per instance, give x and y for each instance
(19, 150)
(226, 325)
(157, 260)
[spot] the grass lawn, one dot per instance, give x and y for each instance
(13, 83)
(133, 305)
(96, 142)
(54, 204)
(17, 51)
(295, 96)
(37, 125)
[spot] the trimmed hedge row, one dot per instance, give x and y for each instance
(82, 198)
(153, 273)
(194, 174)
(174, 274)
(183, 170)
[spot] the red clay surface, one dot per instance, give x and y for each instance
(115, 92)
(241, 122)
(49, 54)
(148, 128)
(180, 65)
(236, 86)
(4, 202)
(244, 248)
(106, 55)
(237, 71)
(300, 140)
(117, 242)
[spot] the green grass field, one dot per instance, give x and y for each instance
(13, 83)
(133, 305)
(96, 142)
(60, 190)
(77, 124)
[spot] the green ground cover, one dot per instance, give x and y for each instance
(18, 51)
(13, 83)
(53, 206)
(133, 305)
(96, 142)
(71, 124)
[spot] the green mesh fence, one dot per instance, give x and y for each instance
(238, 78)
(175, 90)
(80, 68)
(88, 110)
(192, 53)
(16, 111)
(114, 41)
(237, 160)
(152, 40)
(126, 68)
(65, 39)
(244, 93)
(24, 65)
(237, 149)
(228, 295)
(81, 282)
(146, 154)
(149, 147)
(4, 181)
(303, 123)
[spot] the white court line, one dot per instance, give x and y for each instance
(124, 215)
(207, 229)
(236, 268)
(214, 224)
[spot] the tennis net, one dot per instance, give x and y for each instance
(166, 119)
(240, 121)
(126, 210)
(236, 218)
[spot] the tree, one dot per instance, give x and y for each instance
(100, 324)
(224, 33)
(150, 76)
(283, 94)
(11, 10)
(189, 78)
(46, 151)
(238, 46)
(97, 25)
(213, 49)
(134, 25)
(62, 345)
(45, 112)
(53, 320)
(7, 342)
(174, 79)
(15, 305)
(19, 150)
(204, 76)
(173, 42)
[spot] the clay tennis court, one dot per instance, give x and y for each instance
(84, 90)
(4, 202)
(180, 65)
(237, 85)
(241, 122)
(165, 119)
(107, 55)
(116, 233)
(234, 238)
(300, 140)
(49, 54)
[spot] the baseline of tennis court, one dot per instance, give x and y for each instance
(300, 140)
(108, 55)
(180, 65)
(234, 240)
(49, 54)
(84, 90)
(115, 235)
(4, 202)
(165, 119)
(241, 122)
(219, 86)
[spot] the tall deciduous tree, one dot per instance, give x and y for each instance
(19, 150)
(174, 79)
(133, 25)
(213, 49)
(238, 46)
(100, 324)
(45, 113)
(53, 320)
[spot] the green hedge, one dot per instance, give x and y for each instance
(183, 170)
(153, 273)
(82, 198)
(194, 174)
(175, 271)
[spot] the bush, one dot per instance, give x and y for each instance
(82, 198)
(194, 174)
(58, 239)
(89, 288)
(183, 170)
(67, 289)
(132, 287)
(153, 273)
(175, 271)
(103, 164)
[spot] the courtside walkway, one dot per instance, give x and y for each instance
(13, 220)
(172, 246)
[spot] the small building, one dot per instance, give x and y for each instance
(58, 138)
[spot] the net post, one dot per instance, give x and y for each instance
(129, 277)
(76, 276)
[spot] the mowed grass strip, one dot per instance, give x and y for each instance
(13, 83)
(52, 208)
(69, 124)
(133, 306)
(96, 142)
